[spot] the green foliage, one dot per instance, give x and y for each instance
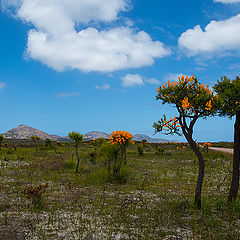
(1, 138)
(48, 142)
(144, 142)
(140, 151)
(229, 96)
(75, 137)
(171, 128)
(191, 98)
(113, 159)
(100, 141)
(159, 151)
(92, 155)
(35, 138)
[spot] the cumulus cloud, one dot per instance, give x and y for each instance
(153, 81)
(173, 76)
(217, 37)
(131, 80)
(68, 94)
(55, 41)
(2, 85)
(103, 87)
(227, 1)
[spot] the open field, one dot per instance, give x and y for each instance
(152, 198)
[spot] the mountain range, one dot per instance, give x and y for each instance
(25, 132)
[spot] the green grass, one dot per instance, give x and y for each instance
(152, 199)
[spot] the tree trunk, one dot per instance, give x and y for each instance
(201, 164)
(236, 159)
(36, 148)
(201, 167)
(125, 155)
(121, 160)
(78, 160)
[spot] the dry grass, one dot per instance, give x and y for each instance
(153, 200)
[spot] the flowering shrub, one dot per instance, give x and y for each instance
(122, 138)
(206, 145)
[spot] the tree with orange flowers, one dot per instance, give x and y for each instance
(192, 100)
(122, 138)
(229, 97)
(206, 145)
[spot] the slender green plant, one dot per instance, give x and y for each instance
(77, 138)
(35, 139)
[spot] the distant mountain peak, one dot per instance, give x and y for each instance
(95, 134)
(25, 132)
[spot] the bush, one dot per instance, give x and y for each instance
(112, 156)
(140, 151)
(159, 151)
(35, 194)
(92, 155)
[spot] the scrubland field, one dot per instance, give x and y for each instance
(151, 198)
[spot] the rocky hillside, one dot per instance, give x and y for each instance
(95, 135)
(140, 137)
(25, 132)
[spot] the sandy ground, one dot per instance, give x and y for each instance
(225, 150)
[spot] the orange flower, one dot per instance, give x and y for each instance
(208, 105)
(207, 144)
(185, 104)
(120, 137)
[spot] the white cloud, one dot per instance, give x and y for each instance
(227, 1)
(218, 37)
(173, 76)
(68, 94)
(153, 81)
(55, 41)
(2, 85)
(131, 80)
(103, 87)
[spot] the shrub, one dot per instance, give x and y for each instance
(92, 155)
(112, 156)
(35, 194)
(140, 151)
(159, 151)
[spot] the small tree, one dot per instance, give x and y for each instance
(229, 98)
(77, 138)
(35, 139)
(1, 140)
(144, 143)
(206, 146)
(123, 138)
(192, 100)
(48, 142)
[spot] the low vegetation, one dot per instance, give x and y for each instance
(151, 197)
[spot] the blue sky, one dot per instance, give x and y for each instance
(95, 65)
